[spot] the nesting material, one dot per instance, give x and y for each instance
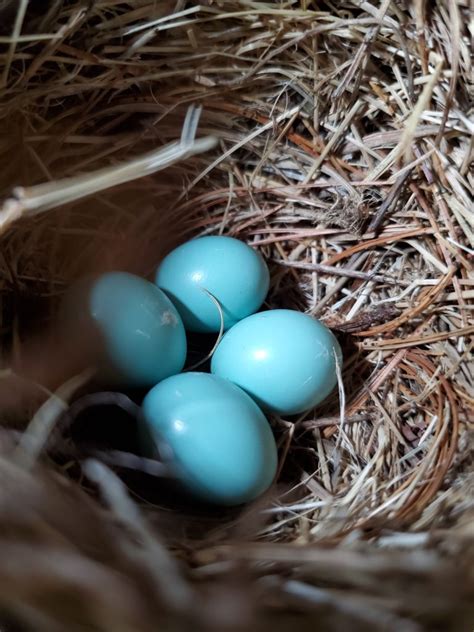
(344, 154)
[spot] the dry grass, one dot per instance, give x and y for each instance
(344, 155)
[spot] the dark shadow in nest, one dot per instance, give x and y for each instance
(10, 624)
(27, 309)
(285, 292)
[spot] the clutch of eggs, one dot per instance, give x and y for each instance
(210, 428)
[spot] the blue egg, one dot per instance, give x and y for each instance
(214, 436)
(284, 359)
(142, 335)
(235, 274)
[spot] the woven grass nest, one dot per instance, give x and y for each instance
(335, 138)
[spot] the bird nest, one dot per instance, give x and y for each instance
(333, 137)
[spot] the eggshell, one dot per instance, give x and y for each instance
(284, 359)
(140, 337)
(213, 435)
(235, 274)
